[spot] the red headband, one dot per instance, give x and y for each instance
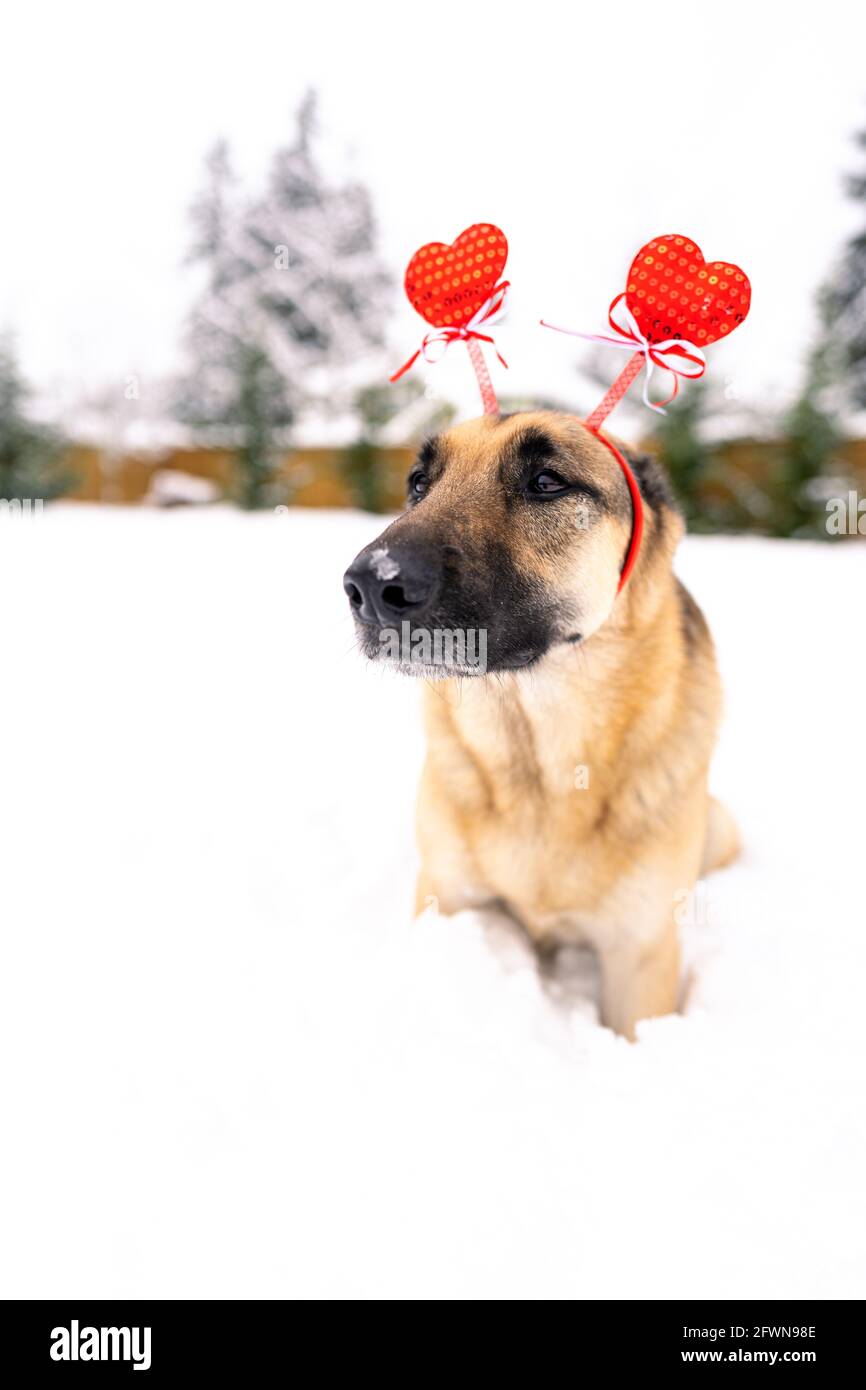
(674, 305)
(636, 503)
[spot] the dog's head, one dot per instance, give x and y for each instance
(512, 543)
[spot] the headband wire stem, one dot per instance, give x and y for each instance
(485, 385)
(616, 392)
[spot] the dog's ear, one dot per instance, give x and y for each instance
(653, 481)
(664, 524)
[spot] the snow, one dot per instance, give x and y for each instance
(172, 487)
(383, 565)
(233, 1067)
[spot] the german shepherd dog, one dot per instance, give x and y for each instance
(566, 781)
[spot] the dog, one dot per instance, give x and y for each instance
(566, 773)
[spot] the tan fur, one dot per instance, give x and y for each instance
(500, 817)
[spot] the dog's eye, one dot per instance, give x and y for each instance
(546, 484)
(418, 484)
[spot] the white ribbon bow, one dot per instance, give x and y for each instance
(655, 354)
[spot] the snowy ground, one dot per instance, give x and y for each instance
(233, 1067)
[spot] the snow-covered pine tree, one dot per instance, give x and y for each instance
(324, 287)
(843, 303)
(212, 214)
(834, 381)
(293, 284)
(31, 454)
(233, 393)
(810, 436)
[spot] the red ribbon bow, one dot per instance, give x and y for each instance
(447, 334)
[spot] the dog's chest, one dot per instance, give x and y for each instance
(530, 785)
(546, 860)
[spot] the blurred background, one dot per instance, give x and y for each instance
(208, 216)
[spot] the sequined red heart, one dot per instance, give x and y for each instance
(449, 284)
(674, 293)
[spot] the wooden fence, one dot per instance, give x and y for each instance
(335, 477)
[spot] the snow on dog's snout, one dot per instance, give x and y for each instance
(383, 564)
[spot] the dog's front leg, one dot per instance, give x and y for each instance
(429, 897)
(450, 878)
(639, 979)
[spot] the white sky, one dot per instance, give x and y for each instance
(580, 130)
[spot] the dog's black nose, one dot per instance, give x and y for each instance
(386, 585)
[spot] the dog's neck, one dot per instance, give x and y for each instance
(574, 709)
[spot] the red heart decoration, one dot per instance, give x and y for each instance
(449, 284)
(674, 293)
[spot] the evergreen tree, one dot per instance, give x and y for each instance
(293, 287)
(325, 290)
(212, 212)
(720, 484)
(31, 454)
(810, 436)
(835, 381)
(679, 444)
(843, 303)
(238, 399)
